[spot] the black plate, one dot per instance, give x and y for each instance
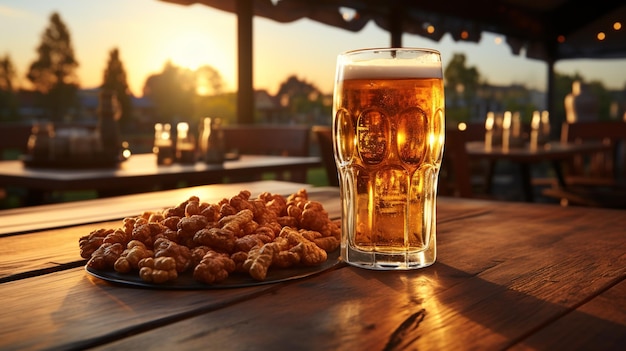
(185, 281)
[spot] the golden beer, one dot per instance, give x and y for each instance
(388, 130)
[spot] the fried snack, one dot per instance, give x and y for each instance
(187, 228)
(237, 222)
(259, 261)
(180, 253)
(129, 259)
(214, 267)
(197, 253)
(247, 242)
(275, 203)
(147, 232)
(211, 212)
(213, 240)
(283, 257)
(118, 236)
(192, 208)
(158, 270)
(219, 239)
(239, 258)
(105, 256)
(309, 253)
(88, 244)
(327, 243)
(240, 201)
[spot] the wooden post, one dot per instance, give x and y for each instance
(245, 89)
(395, 26)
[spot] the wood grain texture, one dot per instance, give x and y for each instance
(92, 211)
(493, 287)
(71, 310)
(508, 276)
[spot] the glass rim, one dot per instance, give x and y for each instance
(389, 49)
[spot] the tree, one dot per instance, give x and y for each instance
(115, 80)
(53, 74)
(8, 98)
(302, 98)
(208, 81)
(173, 93)
(461, 85)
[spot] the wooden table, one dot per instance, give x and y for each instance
(508, 276)
(554, 152)
(141, 172)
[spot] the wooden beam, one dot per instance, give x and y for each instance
(245, 89)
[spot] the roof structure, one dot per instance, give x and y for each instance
(548, 30)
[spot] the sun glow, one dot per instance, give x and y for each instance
(192, 50)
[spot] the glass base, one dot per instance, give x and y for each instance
(386, 261)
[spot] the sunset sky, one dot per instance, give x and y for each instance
(148, 33)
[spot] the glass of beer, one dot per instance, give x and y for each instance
(388, 135)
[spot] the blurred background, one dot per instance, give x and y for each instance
(177, 61)
(170, 63)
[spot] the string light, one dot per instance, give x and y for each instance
(601, 36)
(348, 14)
(617, 25)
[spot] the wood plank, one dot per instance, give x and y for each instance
(141, 170)
(599, 323)
(70, 309)
(31, 254)
(91, 211)
(492, 286)
(504, 271)
(351, 309)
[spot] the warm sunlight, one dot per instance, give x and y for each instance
(191, 50)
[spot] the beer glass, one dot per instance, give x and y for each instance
(388, 135)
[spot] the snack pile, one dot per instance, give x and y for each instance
(239, 234)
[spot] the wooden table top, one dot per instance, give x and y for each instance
(141, 169)
(548, 152)
(508, 276)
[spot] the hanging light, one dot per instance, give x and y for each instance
(348, 14)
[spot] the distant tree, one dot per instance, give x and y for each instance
(301, 97)
(115, 80)
(172, 92)
(461, 85)
(223, 106)
(208, 81)
(8, 96)
(53, 74)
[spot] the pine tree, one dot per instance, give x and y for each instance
(53, 74)
(115, 80)
(8, 96)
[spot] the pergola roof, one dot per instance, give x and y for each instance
(548, 30)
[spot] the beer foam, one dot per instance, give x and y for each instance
(391, 69)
